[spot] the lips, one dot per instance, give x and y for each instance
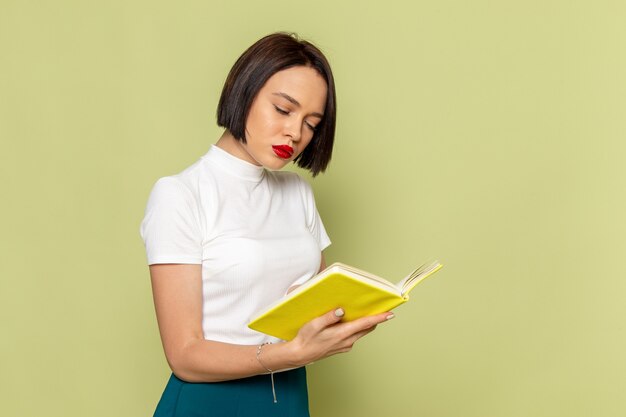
(283, 151)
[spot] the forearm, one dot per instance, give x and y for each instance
(210, 361)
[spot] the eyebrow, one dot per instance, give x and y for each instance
(295, 102)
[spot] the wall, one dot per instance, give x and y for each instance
(487, 134)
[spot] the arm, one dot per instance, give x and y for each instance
(177, 290)
(322, 264)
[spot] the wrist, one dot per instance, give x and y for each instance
(295, 353)
(283, 355)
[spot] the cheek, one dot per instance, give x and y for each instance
(305, 143)
(262, 122)
(272, 125)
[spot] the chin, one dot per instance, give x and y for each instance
(273, 162)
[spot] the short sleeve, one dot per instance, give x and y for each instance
(313, 219)
(170, 228)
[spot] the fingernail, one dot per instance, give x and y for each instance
(389, 317)
(339, 312)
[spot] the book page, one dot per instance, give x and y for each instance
(364, 276)
(415, 277)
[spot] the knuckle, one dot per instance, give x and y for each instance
(345, 333)
(374, 321)
(367, 327)
(321, 324)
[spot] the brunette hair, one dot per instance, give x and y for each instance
(273, 53)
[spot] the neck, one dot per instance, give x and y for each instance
(234, 147)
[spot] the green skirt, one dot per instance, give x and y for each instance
(237, 398)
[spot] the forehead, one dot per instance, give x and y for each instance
(304, 84)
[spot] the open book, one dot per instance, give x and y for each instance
(358, 292)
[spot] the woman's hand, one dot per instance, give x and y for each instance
(325, 335)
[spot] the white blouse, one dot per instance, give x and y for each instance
(255, 232)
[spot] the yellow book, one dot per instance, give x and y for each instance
(358, 292)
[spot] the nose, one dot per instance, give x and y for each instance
(293, 129)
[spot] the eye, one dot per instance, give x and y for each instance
(281, 110)
(310, 126)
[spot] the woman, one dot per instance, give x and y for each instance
(231, 234)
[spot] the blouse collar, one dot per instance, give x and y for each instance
(234, 165)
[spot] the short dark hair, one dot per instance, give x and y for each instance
(273, 53)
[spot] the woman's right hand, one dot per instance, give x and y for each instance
(326, 335)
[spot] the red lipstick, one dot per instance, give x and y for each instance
(283, 151)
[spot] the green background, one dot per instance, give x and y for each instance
(487, 134)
